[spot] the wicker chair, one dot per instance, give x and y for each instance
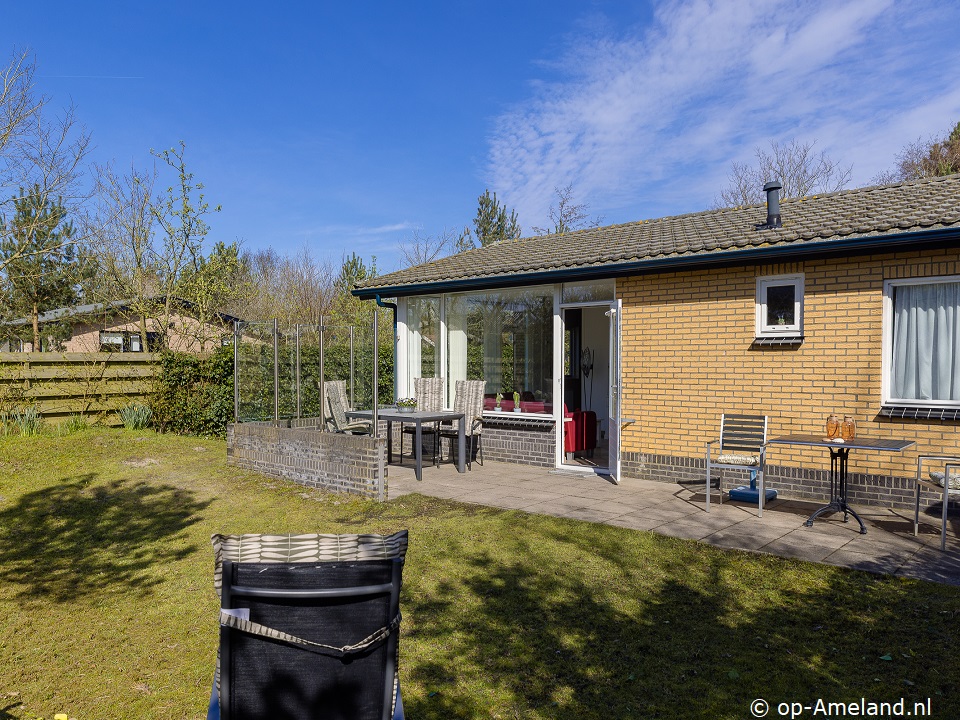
(335, 401)
(429, 395)
(468, 399)
(309, 626)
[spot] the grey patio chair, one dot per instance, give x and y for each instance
(468, 399)
(309, 626)
(741, 446)
(335, 394)
(946, 482)
(429, 395)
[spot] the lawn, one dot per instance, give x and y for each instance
(107, 608)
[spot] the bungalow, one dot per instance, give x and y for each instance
(845, 303)
(116, 327)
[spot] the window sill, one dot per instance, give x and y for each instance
(913, 412)
(777, 340)
(512, 418)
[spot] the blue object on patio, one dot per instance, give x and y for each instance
(752, 494)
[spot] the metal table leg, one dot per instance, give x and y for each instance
(838, 490)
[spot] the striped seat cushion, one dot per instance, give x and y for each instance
(937, 477)
(737, 459)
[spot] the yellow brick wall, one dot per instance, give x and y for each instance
(688, 356)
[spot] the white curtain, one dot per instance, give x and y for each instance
(414, 340)
(926, 333)
(456, 318)
(492, 345)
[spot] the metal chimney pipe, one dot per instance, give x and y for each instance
(772, 189)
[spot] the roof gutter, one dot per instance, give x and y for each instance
(726, 258)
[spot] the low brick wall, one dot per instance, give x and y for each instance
(790, 482)
(305, 455)
(514, 441)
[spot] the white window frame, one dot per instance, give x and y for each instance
(887, 343)
(795, 330)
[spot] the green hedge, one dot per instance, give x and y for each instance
(194, 395)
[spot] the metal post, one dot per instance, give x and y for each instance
(323, 398)
(352, 399)
(276, 373)
(297, 373)
(375, 417)
(236, 371)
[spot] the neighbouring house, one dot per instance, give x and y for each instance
(117, 327)
(846, 302)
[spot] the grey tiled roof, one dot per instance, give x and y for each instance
(907, 207)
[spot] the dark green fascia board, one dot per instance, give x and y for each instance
(925, 240)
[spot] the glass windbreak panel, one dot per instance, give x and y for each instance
(255, 371)
(781, 304)
(926, 343)
(504, 338)
(287, 373)
(589, 291)
(423, 338)
(308, 371)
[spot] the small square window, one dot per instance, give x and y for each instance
(780, 306)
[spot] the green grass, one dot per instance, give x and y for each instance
(107, 608)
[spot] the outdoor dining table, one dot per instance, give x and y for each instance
(419, 417)
(839, 452)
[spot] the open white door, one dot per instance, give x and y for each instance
(616, 414)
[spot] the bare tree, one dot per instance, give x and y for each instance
(123, 229)
(421, 249)
(180, 212)
(567, 214)
(17, 101)
(36, 152)
(291, 289)
(934, 157)
(796, 165)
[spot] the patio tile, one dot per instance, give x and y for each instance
(671, 509)
(686, 528)
(592, 515)
(931, 563)
(870, 561)
(665, 513)
(556, 507)
(744, 537)
(796, 545)
(636, 522)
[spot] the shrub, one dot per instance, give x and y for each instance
(74, 423)
(193, 395)
(27, 421)
(136, 416)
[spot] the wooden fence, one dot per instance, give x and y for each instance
(95, 385)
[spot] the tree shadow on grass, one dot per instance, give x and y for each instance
(682, 631)
(77, 537)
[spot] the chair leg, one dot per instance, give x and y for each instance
(480, 449)
(946, 506)
(916, 509)
(708, 483)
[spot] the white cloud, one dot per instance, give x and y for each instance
(648, 123)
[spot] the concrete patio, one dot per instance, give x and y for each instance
(670, 509)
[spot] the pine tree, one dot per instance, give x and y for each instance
(492, 223)
(41, 267)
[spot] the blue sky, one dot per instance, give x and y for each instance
(344, 127)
